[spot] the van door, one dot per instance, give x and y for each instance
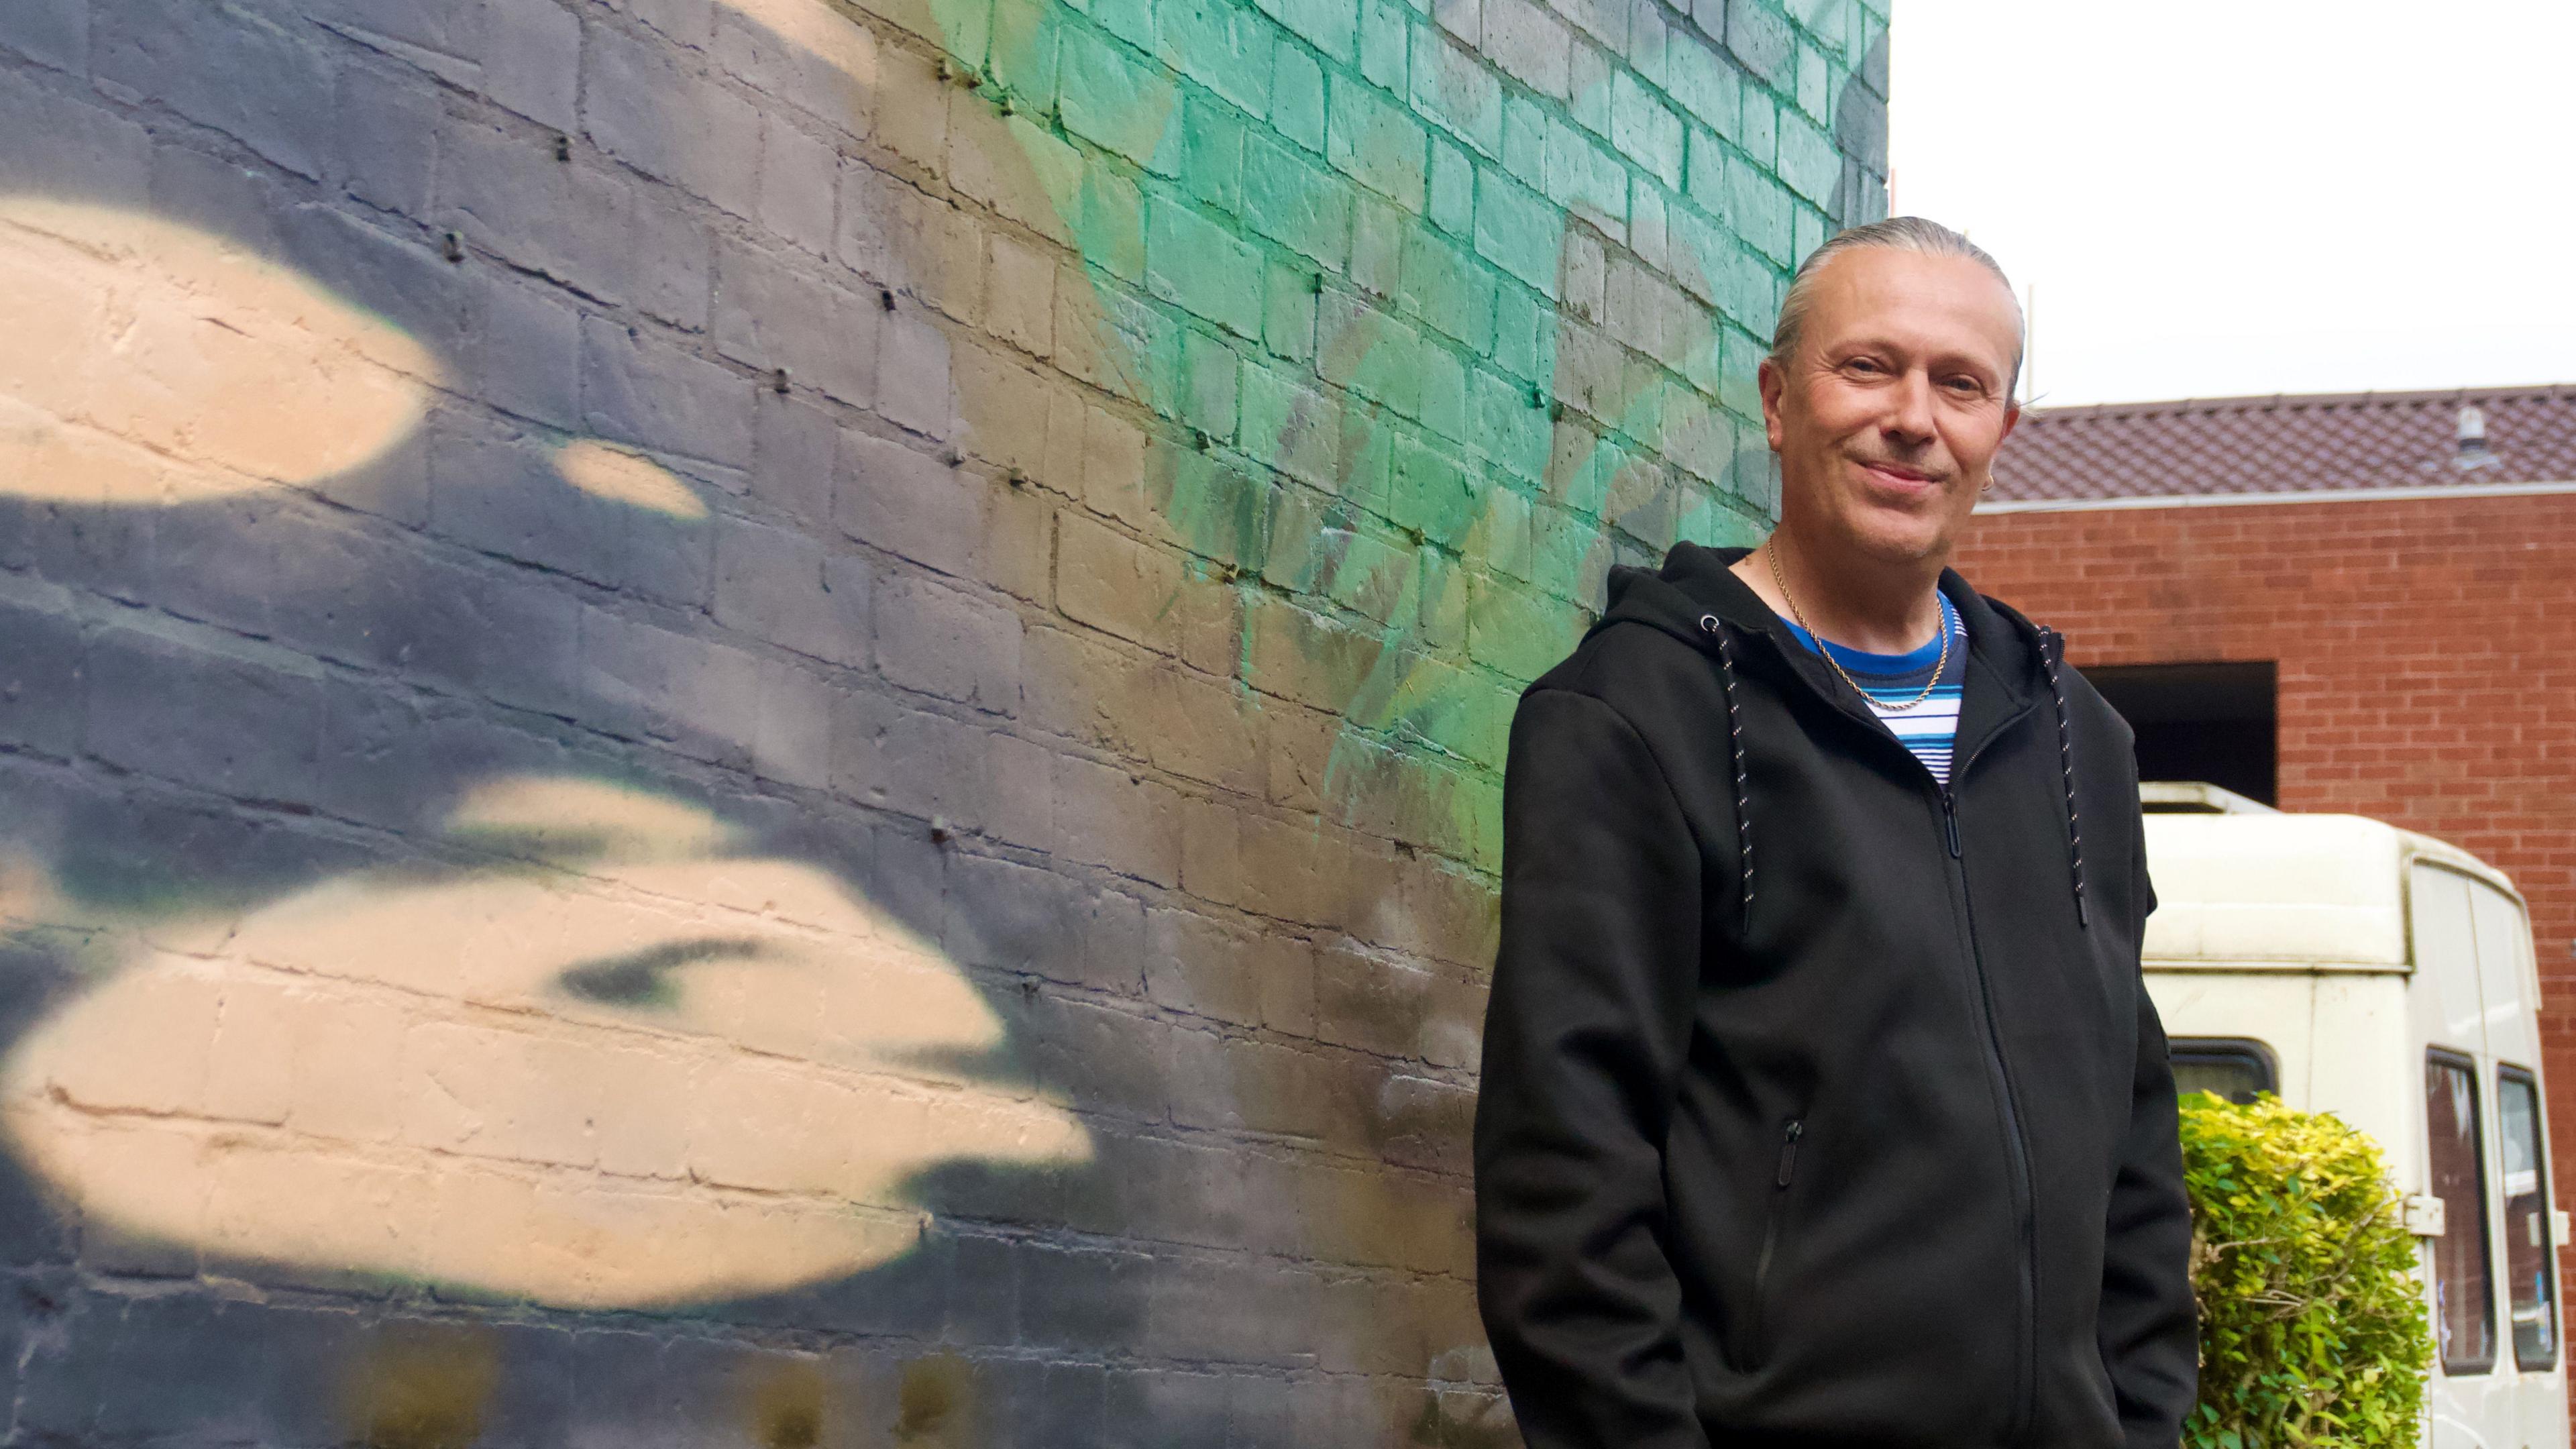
(2472, 1395)
(2525, 1265)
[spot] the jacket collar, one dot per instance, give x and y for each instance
(2006, 665)
(2010, 663)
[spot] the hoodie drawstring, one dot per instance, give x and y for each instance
(2052, 648)
(1743, 775)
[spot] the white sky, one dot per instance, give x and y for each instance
(2259, 196)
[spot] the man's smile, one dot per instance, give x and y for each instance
(1898, 478)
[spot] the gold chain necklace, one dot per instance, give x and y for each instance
(1827, 655)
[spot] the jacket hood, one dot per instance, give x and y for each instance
(1695, 597)
(1696, 583)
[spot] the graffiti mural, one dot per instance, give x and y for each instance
(702, 1090)
(771, 721)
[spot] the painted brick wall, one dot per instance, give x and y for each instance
(772, 722)
(2424, 670)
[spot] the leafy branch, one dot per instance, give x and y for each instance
(2313, 1323)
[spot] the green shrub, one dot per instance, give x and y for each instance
(2312, 1320)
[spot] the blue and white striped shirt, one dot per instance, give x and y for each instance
(1929, 729)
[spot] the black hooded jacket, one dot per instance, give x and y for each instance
(1823, 1105)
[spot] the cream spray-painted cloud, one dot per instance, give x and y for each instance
(623, 477)
(819, 34)
(152, 364)
(148, 362)
(667, 1076)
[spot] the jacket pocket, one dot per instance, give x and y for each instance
(1790, 1132)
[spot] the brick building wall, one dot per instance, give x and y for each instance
(777, 722)
(2424, 669)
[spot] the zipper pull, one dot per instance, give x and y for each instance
(1950, 820)
(1789, 1151)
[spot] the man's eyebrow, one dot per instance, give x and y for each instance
(1932, 357)
(1959, 356)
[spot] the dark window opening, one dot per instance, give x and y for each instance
(2236, 1068)
(2211, 722)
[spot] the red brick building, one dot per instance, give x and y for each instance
(2361, 603)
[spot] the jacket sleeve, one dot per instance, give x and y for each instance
(1584, 1039)
(2149, 1321)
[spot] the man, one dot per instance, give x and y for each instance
(1823, 1100)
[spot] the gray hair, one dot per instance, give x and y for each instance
(1897, 234)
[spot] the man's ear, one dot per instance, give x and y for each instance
(1773, 382)
(2012, 419)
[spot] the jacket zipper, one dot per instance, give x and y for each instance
(1789, 1136)
(2026, 1367)
(2026, 1364)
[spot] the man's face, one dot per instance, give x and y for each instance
(1888, 416)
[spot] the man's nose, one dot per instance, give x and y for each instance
(1910, 410)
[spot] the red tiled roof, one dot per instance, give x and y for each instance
(2320, 443)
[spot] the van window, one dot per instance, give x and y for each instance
(2530, 1285)
(2463, 1299)
(2232, 1067)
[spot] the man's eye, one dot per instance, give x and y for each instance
(1860, 364)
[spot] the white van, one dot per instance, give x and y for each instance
(2388, 978)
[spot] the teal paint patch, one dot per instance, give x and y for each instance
(1225, 47)
(1453, 189)
(1517, 230)
(1645, 130)
(1212, 147)
(1331, 26)
(1454, 89)
(1376, 144)
(1421, 457)
(1117, 102)
(1192, 261)
(1297, 98)
(1296, 203)
(1445, 287)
